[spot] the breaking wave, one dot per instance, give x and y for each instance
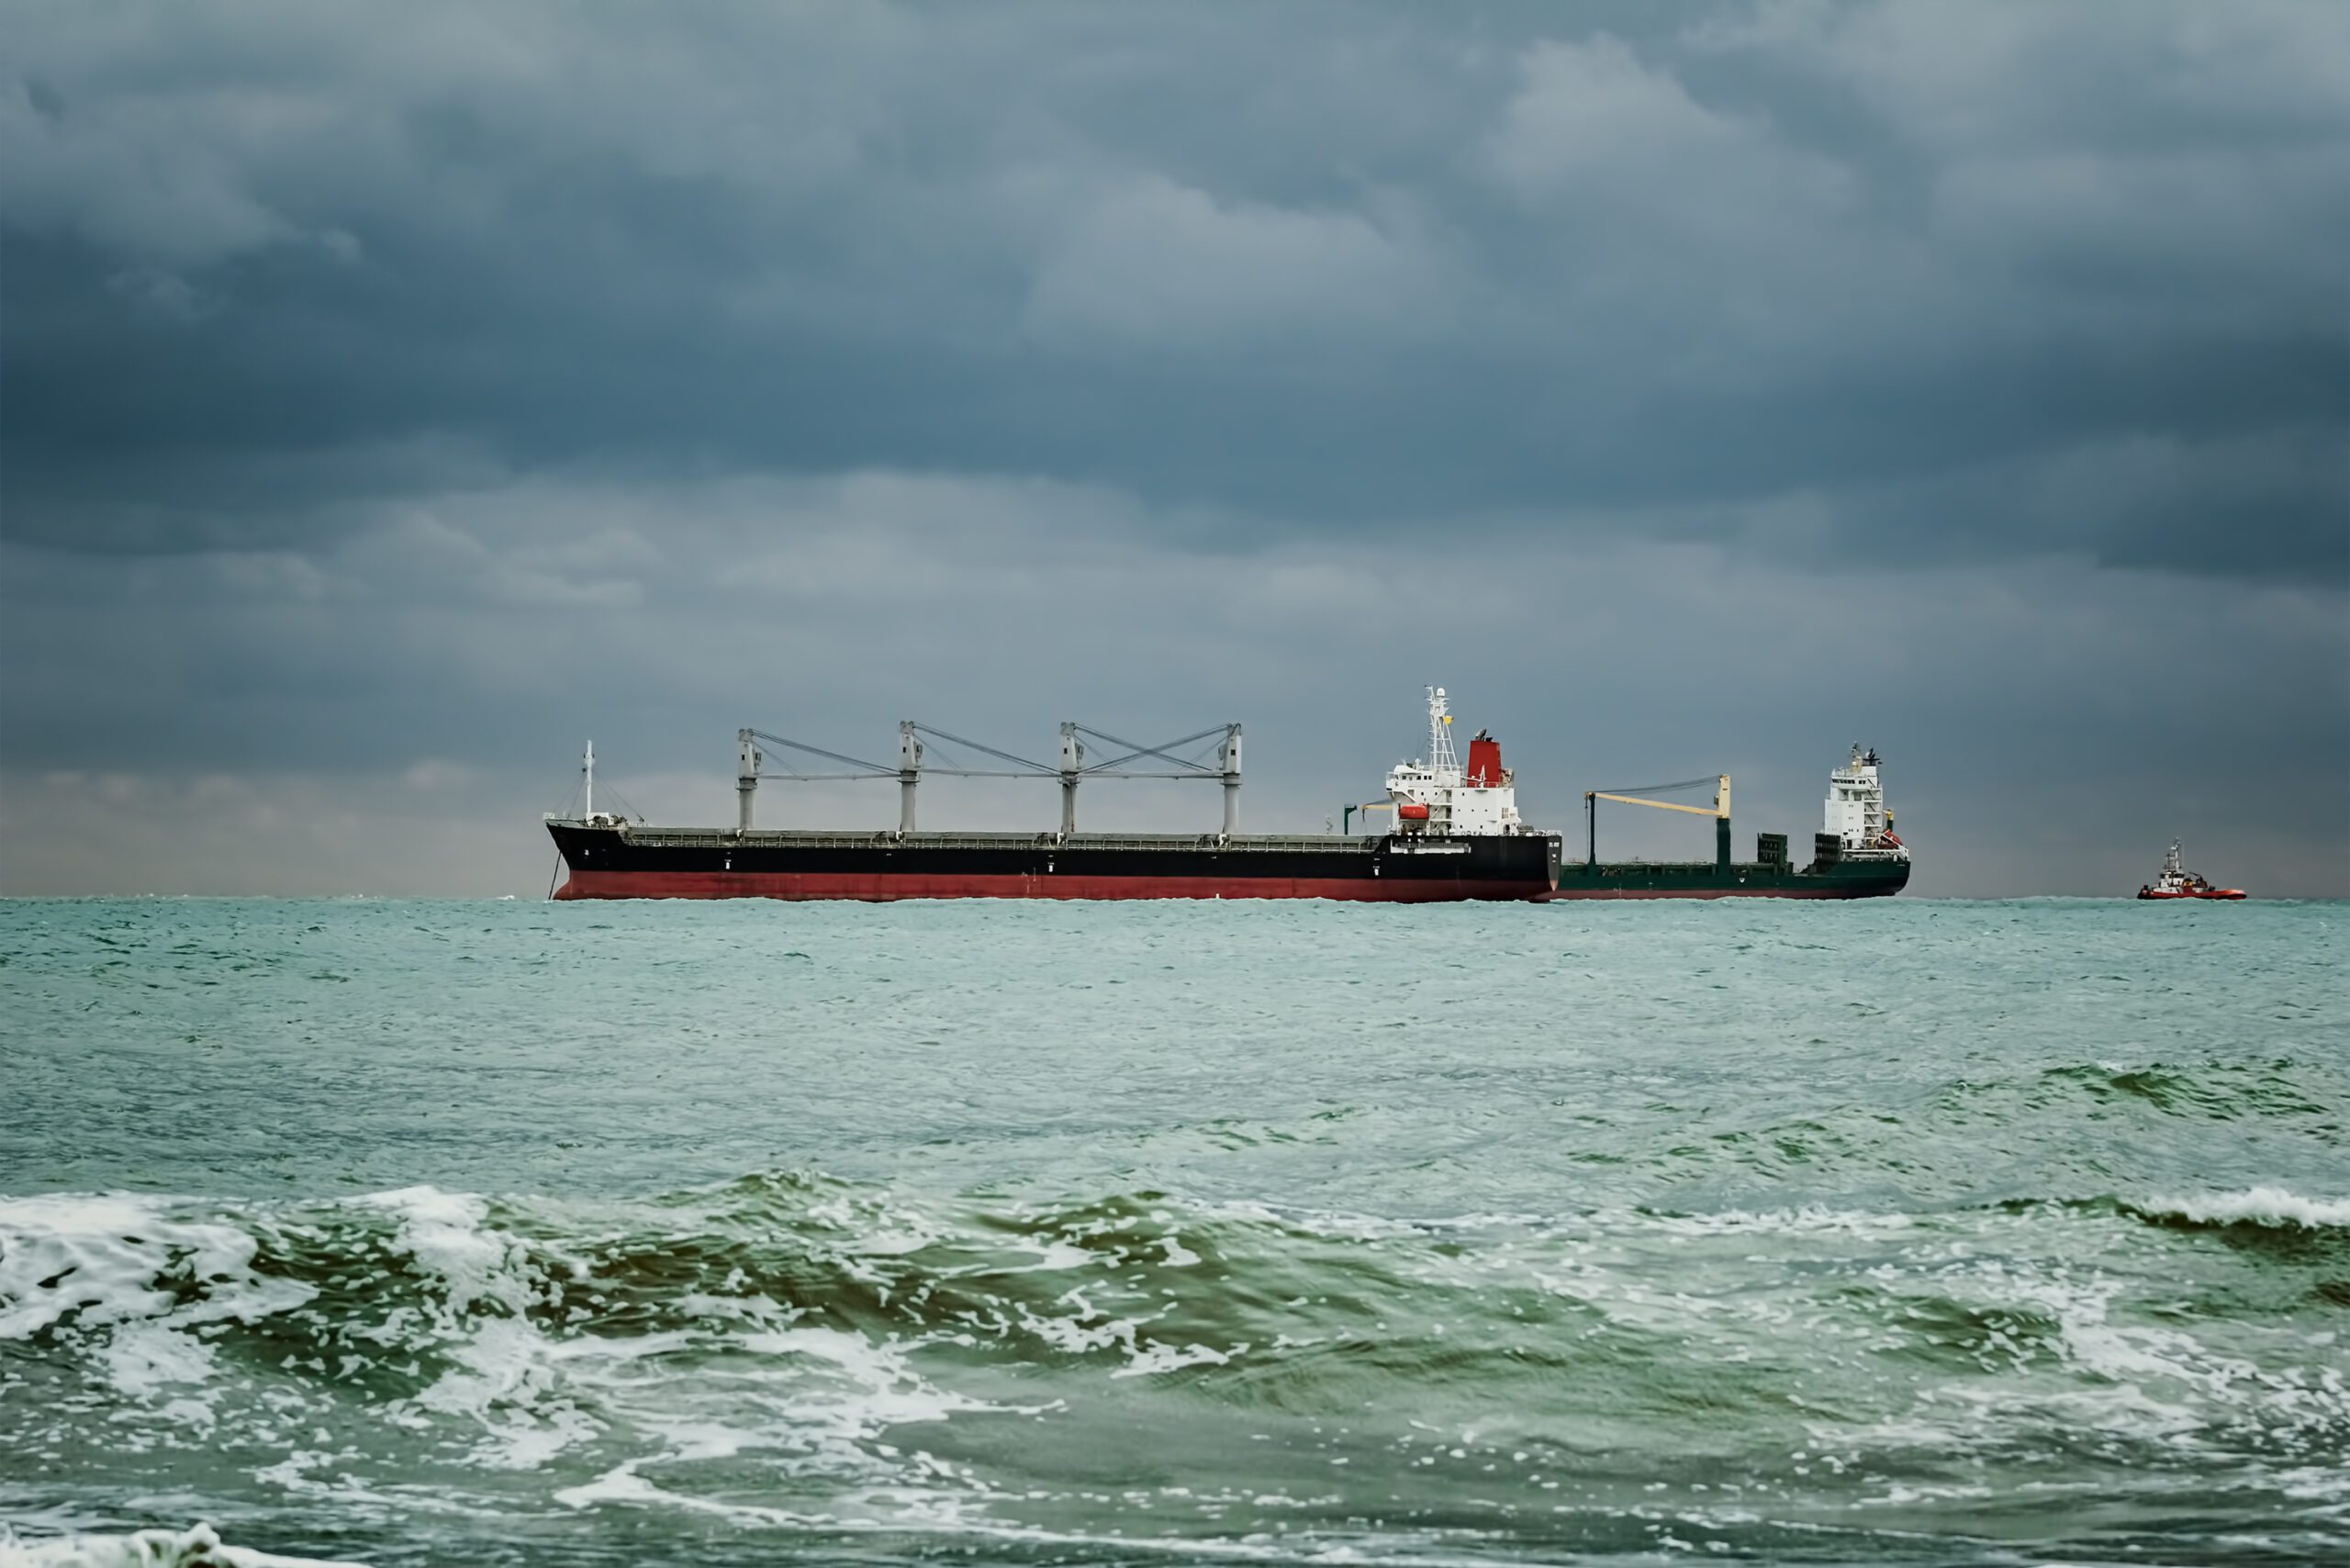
(792, 1351)
(2271, 1206)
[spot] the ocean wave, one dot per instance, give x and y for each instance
(2273, 1207)
(197, 1547)
(844, 1353)
(439, 1298)
(2219, 1090)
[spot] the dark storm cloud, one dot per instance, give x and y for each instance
(391, 394)
(1299, 260)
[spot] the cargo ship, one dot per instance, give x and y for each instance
(1455, 834)
(1856, 856)
(2178, 882)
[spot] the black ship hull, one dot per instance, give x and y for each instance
(1847, 878)
(624, 861)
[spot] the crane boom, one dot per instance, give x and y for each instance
(1720, 808)
(1660, 806)
(1720, 811)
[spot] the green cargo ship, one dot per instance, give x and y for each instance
(1857, 855)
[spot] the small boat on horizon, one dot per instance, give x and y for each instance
(2178, 882)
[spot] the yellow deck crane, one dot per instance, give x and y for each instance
(1719, 811)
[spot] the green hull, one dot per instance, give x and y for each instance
(1712, 880)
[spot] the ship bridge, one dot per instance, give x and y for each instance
(1440, 798)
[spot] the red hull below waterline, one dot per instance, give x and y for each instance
(2225, 895)
(884, 887)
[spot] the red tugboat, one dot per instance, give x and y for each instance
(2178, 882)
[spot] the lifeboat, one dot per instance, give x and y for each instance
(2178, 882)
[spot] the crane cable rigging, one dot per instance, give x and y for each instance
(1707, 781)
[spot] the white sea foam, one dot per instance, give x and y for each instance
(623, 1484)
(2257, 1205)
(99, 1266)
(142, 1359)
(504, 1375)
(125, 1276)
(443, 1232)
(2098, 1371)
(825, 1398)
(1054, 1255)
(874, 1384)
(97, 1258)
(835, 1396)
(199, 1547)
(1165, 1357)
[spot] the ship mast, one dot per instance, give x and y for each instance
(587, 783)
(1442, 760)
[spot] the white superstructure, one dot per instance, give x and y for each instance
(1440, 797)
(1856, 814)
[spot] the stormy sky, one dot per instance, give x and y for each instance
(392, 398)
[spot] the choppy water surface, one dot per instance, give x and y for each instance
(1899, 1232)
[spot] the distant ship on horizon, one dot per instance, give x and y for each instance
(1454, 833)
(1856, 854)
(1457, 836)
(2178, 882)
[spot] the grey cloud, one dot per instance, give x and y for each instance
(498, 625)
(1165, 267)
(1542, 267)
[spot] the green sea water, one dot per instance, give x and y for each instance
(1899, 1232)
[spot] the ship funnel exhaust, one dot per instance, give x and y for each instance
(1486, 762)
